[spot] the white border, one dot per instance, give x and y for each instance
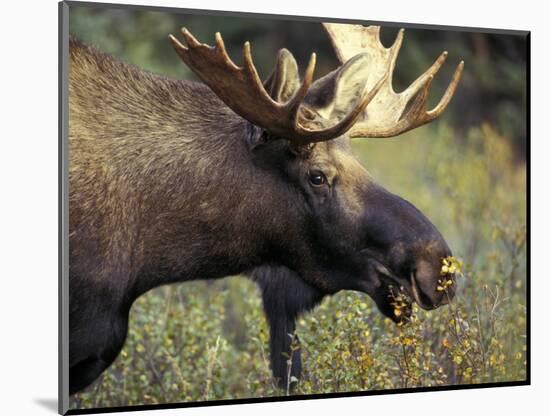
(28, 220)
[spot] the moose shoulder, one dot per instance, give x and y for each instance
(175, 180)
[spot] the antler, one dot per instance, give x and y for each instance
(389, 113)
(242, 90)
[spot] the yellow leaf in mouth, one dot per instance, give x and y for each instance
(450, 265)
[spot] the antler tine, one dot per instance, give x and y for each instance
(176, 44)
(243, 91)
(253, 73)
(220, 47)
(446, 99)
(294, 102)
(394, 50)
(386, 116)
(189, 38)
(421, 81)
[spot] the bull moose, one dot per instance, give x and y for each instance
(174, 180)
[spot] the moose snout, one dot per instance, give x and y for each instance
(411, 247)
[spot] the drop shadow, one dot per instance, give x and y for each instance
(48, 404)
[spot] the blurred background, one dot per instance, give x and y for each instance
(466, 172)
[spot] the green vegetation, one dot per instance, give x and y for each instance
(208, 340)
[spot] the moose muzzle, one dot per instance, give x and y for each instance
(405, 253)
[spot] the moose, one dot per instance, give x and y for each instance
(175, 180)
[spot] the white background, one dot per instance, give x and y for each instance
(28, 218)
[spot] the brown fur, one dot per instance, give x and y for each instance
(146, 152)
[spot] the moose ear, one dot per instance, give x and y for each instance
(281, 85)
(284, 80)
(335, 95)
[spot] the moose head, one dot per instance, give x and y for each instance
(341, 230)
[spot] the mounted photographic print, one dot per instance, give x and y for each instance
(265, 208)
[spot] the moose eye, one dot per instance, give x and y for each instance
(317, 178)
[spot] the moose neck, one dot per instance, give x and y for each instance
(175, 193)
